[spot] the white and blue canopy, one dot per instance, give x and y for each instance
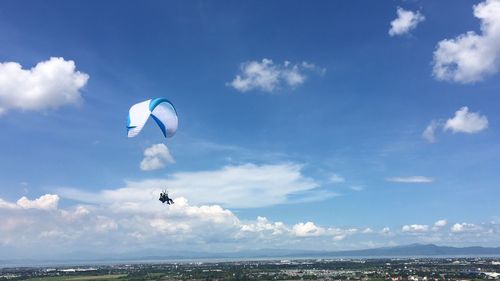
(160, 109)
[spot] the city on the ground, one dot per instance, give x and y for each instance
(472, 268)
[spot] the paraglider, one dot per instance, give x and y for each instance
(163, 112)
(164, 198)
(160, 109)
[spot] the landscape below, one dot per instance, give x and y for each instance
(410, 262)
(306, 269)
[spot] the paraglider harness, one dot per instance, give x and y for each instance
(164, 198)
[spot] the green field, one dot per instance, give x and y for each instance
(74, 278)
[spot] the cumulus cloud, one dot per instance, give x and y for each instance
(405, 22)
(44, 202)
(80, 227)
(156, 157)
(470, 57)
(440, 223)
(386, 230)
(267, 76)
(180, 225)
(415, 228)
(77, 213)
(105, 224)
(234, 186)
(263, 225)
(141, 225)
(411, 179)
(463, 122)
(307, 229)
(49, 84)
(367, 230)
(466, 122)
(310, 229)
(463, 227)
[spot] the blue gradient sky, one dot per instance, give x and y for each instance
(362, 119)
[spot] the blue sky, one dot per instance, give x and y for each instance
(323, 136)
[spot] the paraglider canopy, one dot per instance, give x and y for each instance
(160, 109)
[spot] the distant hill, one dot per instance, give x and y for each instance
(398, 251)
(418, 250)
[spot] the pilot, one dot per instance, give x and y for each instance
(164, 198)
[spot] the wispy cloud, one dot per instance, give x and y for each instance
(336, 178)
(267, 76)
(357, 188)
(237, 186)
(429, 132)
(410, 179)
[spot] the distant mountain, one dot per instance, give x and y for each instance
(398, 251)
(417, 250)
(413, 250)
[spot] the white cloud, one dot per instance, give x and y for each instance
(440, 223)
(405, 22)
(50, 84)
(80, 228)
(367, 230)
(411, 179)
(76, 214)
(141, 225)
(464, 227)
(357, 188)
(471, 57)
(236, 186)
(307, 229)
(339, 237)
(7, 205)
(267, 76)
(156, 157)
(105, 224)
(386, 231)
(463, 122)
(310, 229)
(466, 122)
(44, 202)
(149, 225)
(415, 228)
(429, 132)
(335, 178)
(263, 225)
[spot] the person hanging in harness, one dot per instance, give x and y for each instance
(164, 198)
